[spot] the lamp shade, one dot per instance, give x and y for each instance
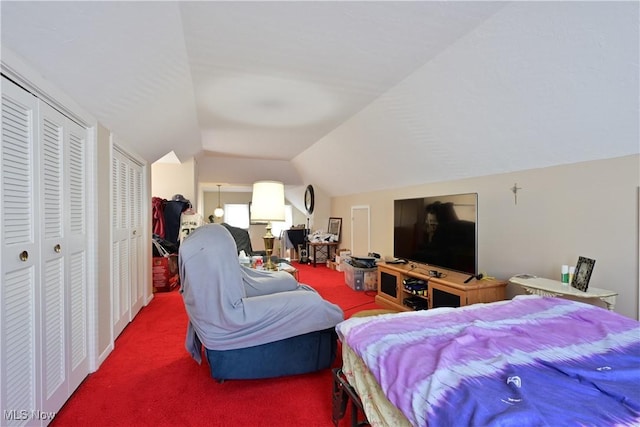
(267, 201)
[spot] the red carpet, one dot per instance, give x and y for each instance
(150, 380)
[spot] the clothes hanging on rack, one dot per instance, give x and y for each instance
(189, 221)
(172, 211)
(157, 214)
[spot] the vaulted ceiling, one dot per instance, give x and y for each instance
(353, 96)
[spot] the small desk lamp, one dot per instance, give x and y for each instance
(267, 204)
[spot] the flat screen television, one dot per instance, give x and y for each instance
(438, 230)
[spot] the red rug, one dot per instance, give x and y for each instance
(150, 380)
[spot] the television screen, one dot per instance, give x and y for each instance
(438, 230)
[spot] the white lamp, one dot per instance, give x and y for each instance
(267, 204)
(218, 212)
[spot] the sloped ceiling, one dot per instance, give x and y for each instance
(351, 96)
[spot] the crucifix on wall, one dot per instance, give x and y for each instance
(514, 190)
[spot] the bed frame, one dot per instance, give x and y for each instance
(342, 393)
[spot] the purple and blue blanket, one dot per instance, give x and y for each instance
(530, 361)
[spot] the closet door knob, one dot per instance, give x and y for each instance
(57, 248)
(24, 255)
(134, 232)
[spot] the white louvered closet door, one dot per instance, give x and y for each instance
(120, 203)
(64, 257)
(19, 247)
(43, 317)
(64, 346)
(77, 263)
(136, 238)
(128, 238)
(54, 249)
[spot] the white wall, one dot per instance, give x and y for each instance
(169, 179)
(585, 209)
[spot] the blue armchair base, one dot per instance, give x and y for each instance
(296, 355)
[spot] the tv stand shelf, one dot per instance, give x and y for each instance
(449, 290)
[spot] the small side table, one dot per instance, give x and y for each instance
(321, 245)
(555, 288)
(292, 271)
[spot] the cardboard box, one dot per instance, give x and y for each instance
(343, 253)
(360, 279)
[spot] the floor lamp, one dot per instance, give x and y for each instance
(267, 204)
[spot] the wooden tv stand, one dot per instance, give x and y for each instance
(449, 290)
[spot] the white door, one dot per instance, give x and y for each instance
(128, 239)
(64, 256)
(43, 233)
(136, 239)
(19, 250)
(360, 233)
(76, 262)
(44, 263)
(120, 245)
(54, 249)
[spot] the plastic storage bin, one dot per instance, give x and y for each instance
(360, 279)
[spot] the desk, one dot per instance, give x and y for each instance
(322, 245)
(292, 239)
(555, 288)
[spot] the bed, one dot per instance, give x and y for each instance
(530, 361)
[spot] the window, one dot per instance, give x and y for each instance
(237, 215)
(278, 226)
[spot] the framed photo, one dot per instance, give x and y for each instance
(583, 273)
(335, 226)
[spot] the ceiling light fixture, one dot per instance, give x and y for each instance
(219, 212)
